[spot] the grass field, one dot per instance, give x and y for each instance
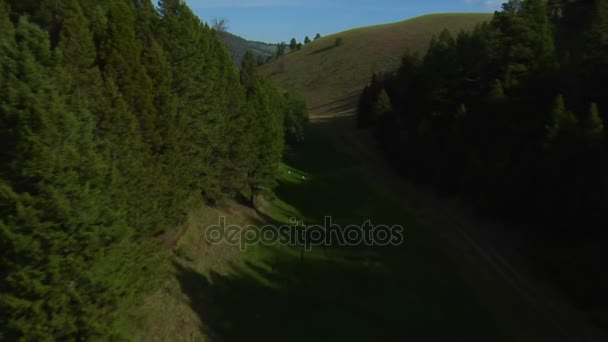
(271, 293)
(436, 286)
(331, 76)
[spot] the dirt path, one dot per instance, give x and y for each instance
(488, 254)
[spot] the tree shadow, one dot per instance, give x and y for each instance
(335, 293)
(342, 104)
(315, 298)
(321, 50)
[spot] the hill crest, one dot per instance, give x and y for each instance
(332, 77)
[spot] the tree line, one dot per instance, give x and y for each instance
(116, 119)
(512, 116)
(293, 45)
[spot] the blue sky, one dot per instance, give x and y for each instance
(278, 20)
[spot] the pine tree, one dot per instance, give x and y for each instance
(293, 44)
(564, 124)
(121, 60)
(594, 127)
(594, 68)
(267, 106)
(188, 44)
(53, 181)
(497, 92)
(382, 106)
(296, 117)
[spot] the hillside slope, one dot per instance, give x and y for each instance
(331, 77)
(238, 46)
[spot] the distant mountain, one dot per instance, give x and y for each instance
(237, 47)
(334, 76)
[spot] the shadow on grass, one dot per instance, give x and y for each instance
(322, 299)
(344, 103)
(321, 50)
(335, 293)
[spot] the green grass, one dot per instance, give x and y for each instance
(331, 76)
(278, 293)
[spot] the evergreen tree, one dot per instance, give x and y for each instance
(293, 44)
(52, 182)
(497, 92)
(121, 60)
(115, 120)
(267, 106)
(564, 123)
(382, 106)
(594, 127)
(296, 117)
(307, 40)
(187, 42)
(281, 49)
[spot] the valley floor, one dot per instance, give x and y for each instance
(438, 285)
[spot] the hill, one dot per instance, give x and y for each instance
(237, 46)
(333, 76)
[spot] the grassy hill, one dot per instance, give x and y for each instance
(332, 77)
(237, 47)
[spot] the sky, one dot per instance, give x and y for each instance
(274, 21)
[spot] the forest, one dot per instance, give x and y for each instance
(511, 116)
(116, 118)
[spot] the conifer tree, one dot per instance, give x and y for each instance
(563, 124)
(268, 108)
(293, 44)
(382, 106)
(114, 121)
(497, 92)
(594, 127)
(187, 42)
(52, 181)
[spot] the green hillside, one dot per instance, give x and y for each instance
(330, 76)
(237, 47)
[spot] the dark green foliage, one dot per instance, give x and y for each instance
(307, 40)
(382, 106)
(594, 127)
(296, 117)
(511, 116)
(293, 44)
(281, 49)
(115, 120)
(317, 36)
(238, 46)
(266, 127)
(563, 126)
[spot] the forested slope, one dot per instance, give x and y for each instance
(238, 47)
(512, 115)
(116, 118)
